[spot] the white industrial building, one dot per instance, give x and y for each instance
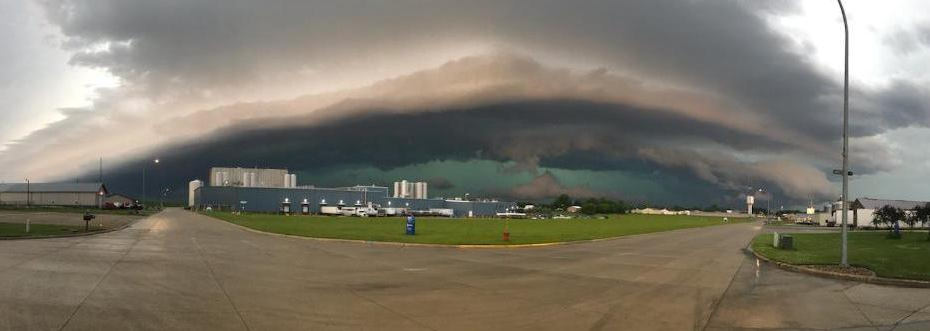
(54, 194)
(410, 190)
(191, 188)
(861, 211)
(252, 177)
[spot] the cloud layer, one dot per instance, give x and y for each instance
(698, 89)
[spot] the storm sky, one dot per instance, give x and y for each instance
(660, 101)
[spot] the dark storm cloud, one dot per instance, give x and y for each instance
(502, 132)
(547, 186)
(696, 75)
(440, 183)
(721, 47)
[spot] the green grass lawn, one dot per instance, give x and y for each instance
(62, 209)
(18, 230)
(893, 258)
(465, 231)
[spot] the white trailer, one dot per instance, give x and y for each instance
(330, 210)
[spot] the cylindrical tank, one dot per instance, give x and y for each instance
(192, 187)
(245, 179)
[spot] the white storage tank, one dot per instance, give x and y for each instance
(191, 187)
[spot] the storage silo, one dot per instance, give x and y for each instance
(191, 188)
(293, 180)
(246, 179)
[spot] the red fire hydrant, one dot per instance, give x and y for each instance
(506, 231)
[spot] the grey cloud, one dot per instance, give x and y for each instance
(696, 74)
(794, 178)
(440, 183)
(547, 186)
(717, 47)
(908, 41)
(509, 108)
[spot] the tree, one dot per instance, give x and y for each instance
(922, 215)
(714, 208)
(888, 215)
(563, 201)
(589, 208)
(910, 218)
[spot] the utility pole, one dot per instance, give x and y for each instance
(844, 262)
(28, 193)
(143, 186)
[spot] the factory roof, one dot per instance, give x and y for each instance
(869, 203)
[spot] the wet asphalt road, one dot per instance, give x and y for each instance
(178, 270)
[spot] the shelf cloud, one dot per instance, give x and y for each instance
(697, 89)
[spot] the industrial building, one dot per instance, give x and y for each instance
(354, 200)
(861, 211)
(414, 190)
(249, 177)
(54, 194)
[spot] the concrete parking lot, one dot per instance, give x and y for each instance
(179, 270)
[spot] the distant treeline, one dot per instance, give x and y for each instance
(589, 206)
(610, 206)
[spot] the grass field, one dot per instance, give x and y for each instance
(18, 230)
(72, 210)
(894, 258)
(465, 231)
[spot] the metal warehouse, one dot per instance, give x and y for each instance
(53, 194)
(356, 201)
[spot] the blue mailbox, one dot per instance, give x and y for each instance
(411, 225)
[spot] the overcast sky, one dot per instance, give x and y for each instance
(668, 101)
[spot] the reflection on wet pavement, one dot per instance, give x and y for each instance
(765, 297)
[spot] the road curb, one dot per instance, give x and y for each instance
(836, 275)
(72, 235)
(464, 246)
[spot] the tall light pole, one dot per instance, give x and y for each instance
(843, 256)
(768, 203)
(143, 181)
(164, 195)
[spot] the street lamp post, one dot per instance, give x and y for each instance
(768, 204)
(28, 193)
(164, 195)
(843, 256)
(143, 181)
